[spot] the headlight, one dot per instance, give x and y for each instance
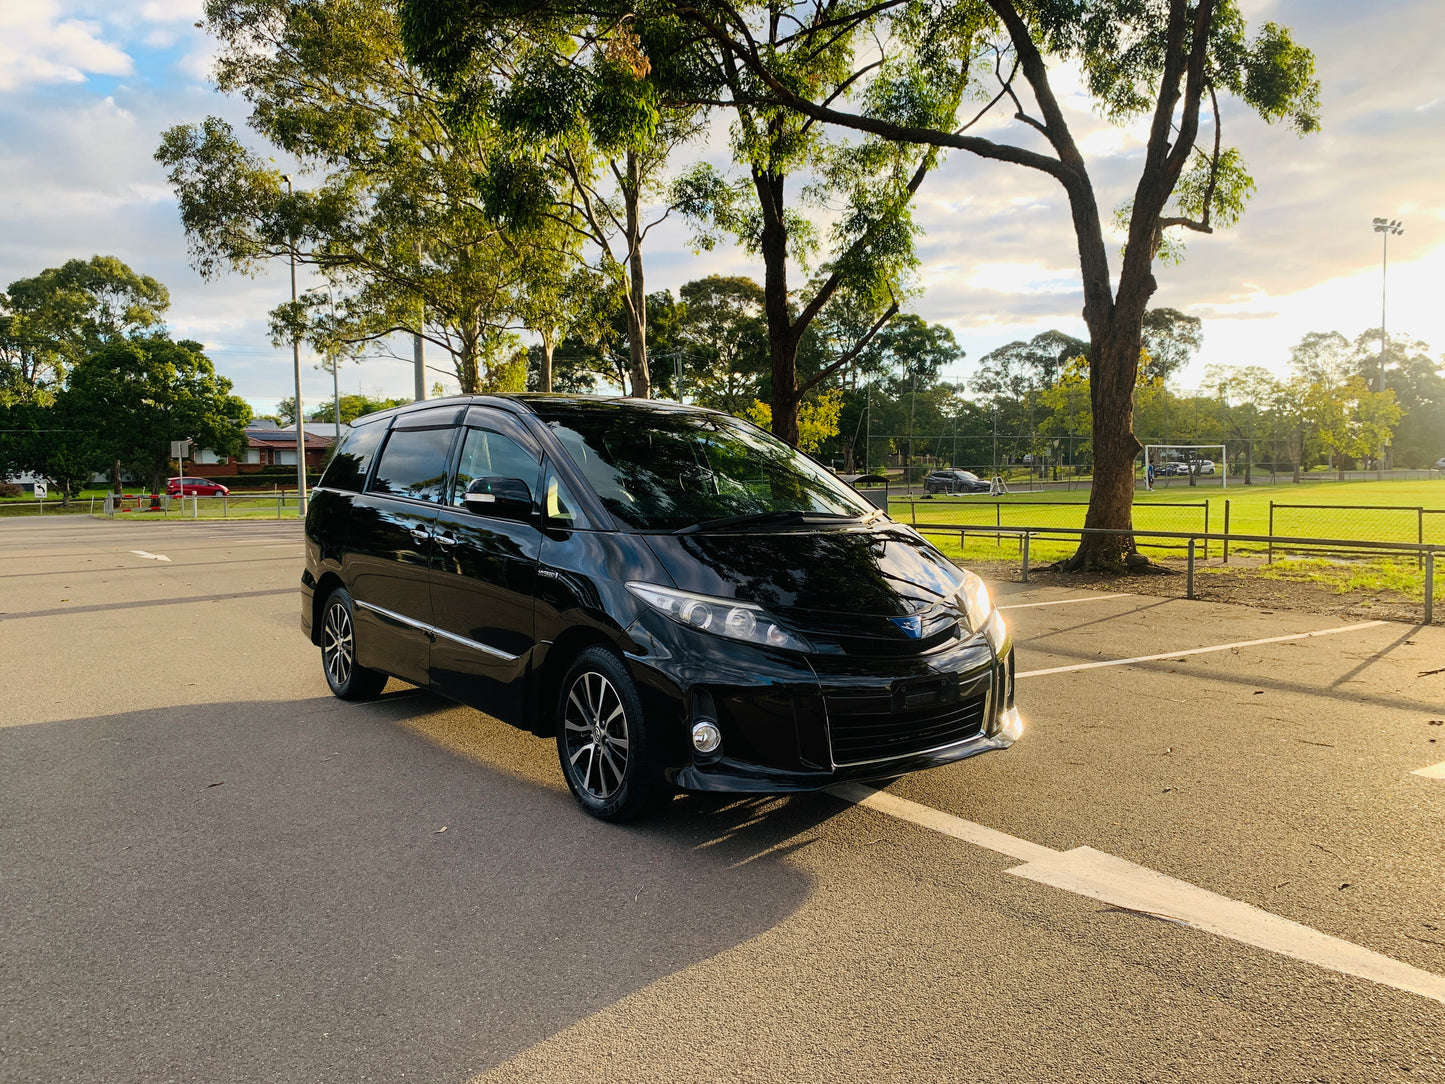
(721, 616)
(976, 603)
(979, 610)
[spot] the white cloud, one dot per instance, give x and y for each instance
(37, 45)
(997, 248)
(159, 11)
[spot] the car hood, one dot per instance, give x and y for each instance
(880, 570)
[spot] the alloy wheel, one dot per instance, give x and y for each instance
(597, 739)
(338, 645)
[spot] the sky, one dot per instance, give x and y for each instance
(87, 87)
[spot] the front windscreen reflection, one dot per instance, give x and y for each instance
(666, 471)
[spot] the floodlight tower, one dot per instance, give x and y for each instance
(1385, 227)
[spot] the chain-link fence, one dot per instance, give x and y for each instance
(1353, 522)
(1038, 460)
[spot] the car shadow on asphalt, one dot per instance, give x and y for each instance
(261, 890)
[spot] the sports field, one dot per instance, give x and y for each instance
(1361, 511)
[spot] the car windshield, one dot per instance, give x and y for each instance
(669, 470)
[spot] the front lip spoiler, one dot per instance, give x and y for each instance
(739, 777)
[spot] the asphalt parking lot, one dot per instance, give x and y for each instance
(1217, 855)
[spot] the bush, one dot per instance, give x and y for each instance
(10, 489)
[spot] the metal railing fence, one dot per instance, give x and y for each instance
(279, 503)
(1177, 515)
(1425, 553)
(1359, 522)
(77, 506)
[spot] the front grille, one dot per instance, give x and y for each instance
(875, 636)
(895, 646)
(875, 726)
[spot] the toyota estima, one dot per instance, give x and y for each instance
(680, 599)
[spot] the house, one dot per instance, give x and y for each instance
(268, 445)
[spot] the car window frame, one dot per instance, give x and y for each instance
(483, 423)
(355, 429)
(451, 455)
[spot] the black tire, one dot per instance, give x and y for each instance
(602, 740)
(348, 679)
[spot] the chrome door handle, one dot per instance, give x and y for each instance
(444, 540)
(420, 535)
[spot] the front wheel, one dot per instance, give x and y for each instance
(602, 740)
(348, 679)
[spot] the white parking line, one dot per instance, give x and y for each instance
(1087, 872)
(1198, 650)
(1435, 771)
(1062, 601)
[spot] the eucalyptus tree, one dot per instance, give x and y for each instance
(804, 198)
(385, 210)
(582, 124)
(1169, 338)
(1418, 381)
(724, 334)
(1166, 61)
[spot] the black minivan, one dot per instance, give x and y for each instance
(679, 598)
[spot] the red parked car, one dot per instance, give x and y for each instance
(195, 487)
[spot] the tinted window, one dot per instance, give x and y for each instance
(414, 464)
(347, 469)
(664, 470)
(490, 455)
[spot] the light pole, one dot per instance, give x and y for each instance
(296, 360)
(1385, 227)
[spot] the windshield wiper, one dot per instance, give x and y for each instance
(764, 519)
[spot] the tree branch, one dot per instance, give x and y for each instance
(858, 348)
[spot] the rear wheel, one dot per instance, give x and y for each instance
(602, 739)
(348, 679)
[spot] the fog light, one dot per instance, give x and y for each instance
(1013, 725)
(706, 737)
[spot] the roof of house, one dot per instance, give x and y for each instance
(286, 438)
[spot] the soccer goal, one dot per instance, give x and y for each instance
(1184, 460)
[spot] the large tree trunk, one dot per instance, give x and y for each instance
(544, 378)
(468, 372)
(636, 290)
(1111, 499)
(1115, 329)
(782, 336)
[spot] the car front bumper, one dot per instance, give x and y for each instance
(792, 722)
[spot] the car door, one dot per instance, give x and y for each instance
(389, 544)
(484, 573)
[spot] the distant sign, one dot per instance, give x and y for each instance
(180, 449)
(40, 491)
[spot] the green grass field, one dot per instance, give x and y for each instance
(1182, 508)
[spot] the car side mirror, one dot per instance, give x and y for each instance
(507, 498)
